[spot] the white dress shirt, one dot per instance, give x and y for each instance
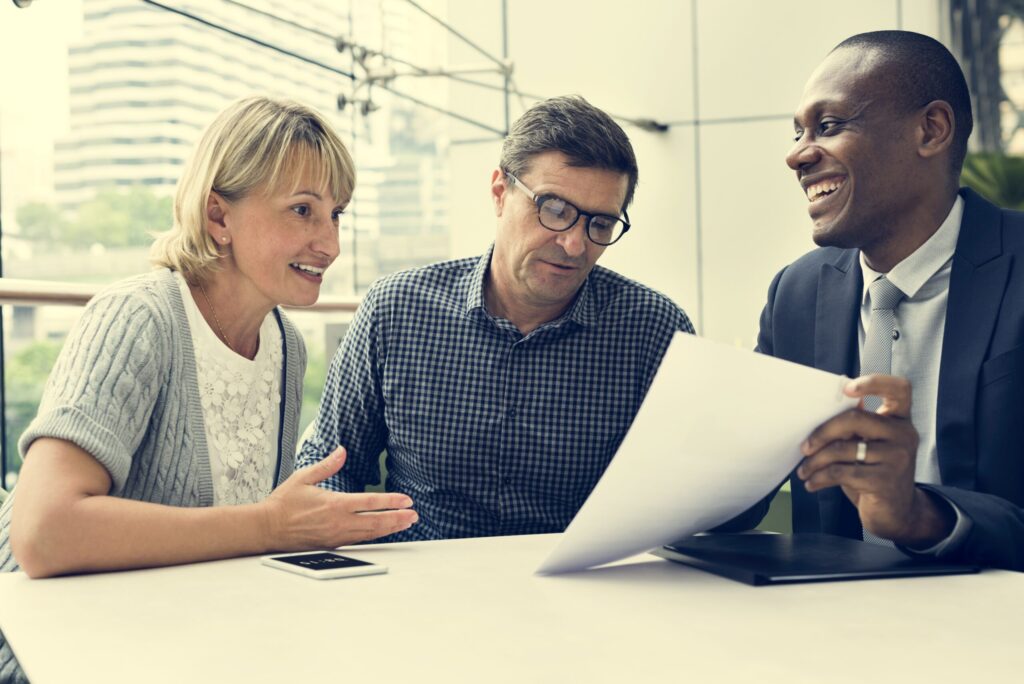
(917, 345)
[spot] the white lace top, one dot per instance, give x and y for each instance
(241, 407)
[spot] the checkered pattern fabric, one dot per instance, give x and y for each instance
(490, 432)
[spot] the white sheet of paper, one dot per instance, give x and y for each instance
(718, 430)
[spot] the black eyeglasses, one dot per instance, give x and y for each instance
(558, 215)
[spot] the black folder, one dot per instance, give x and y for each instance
(760, 559)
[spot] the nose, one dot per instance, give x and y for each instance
(573, 241)
(326, 241)
(802, 155)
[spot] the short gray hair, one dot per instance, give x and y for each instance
(579, 130)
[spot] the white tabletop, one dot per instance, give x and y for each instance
(473, 611)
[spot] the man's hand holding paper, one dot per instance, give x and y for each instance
(871, 455)
(720, 428)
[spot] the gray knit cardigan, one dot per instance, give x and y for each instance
(124, 389)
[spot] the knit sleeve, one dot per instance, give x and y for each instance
(102, 390)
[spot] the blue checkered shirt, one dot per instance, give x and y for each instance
(489, 431)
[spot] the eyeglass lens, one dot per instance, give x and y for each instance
(557, 214)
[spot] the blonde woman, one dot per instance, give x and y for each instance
(167, 428)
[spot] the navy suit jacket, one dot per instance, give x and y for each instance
(811, 318)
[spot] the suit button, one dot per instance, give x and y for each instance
(895, 334)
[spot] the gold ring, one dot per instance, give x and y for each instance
(862, 452)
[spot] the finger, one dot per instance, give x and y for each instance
(895, 392)
(850, 475)
(320, 471)
(358, 503)
(854, 425)
(844, 451)
(373, 524)
(387, 519)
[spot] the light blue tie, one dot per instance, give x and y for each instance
(876, 356)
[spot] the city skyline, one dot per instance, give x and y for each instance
(134, 85)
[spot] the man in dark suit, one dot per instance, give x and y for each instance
(881, 134)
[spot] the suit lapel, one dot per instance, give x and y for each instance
(840, 290)
(976, 286)
(835, 322)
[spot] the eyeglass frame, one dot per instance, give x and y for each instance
(539, 200)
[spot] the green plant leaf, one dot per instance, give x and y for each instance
(996, 177)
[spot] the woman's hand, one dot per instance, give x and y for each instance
(300, 515)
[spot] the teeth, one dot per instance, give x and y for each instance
(312, 270)
(818, 190)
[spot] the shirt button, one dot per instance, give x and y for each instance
(511, 413)
(895, 334)
(506, 481)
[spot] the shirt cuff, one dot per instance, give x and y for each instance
(948, 545)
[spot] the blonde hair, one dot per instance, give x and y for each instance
(251, 145)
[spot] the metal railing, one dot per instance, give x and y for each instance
(45, 292)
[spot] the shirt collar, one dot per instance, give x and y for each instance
(582, 311)
(911, 274)
(475, 284)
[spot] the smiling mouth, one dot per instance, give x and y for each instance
(823, 189)
(308, 270)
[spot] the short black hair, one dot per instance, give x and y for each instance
(579, 130)
(920, 70)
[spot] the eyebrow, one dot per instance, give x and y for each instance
(812, 111)
(816, 109)
(583, 209)
(311, 193)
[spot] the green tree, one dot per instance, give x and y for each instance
(118, 218)
(42, 222)
(312, 386)
(115, 217)
(26, 373)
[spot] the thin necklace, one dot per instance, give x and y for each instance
(215, 318)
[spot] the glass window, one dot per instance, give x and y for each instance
(101, 102)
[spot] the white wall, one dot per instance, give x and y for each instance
(717, 212)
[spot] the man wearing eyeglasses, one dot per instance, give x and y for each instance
(501, 385)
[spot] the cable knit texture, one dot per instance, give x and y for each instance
(125, 389)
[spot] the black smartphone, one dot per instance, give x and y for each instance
(323, 565)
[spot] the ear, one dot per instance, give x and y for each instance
(216, 218)
(936, 128)
(498, 189)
